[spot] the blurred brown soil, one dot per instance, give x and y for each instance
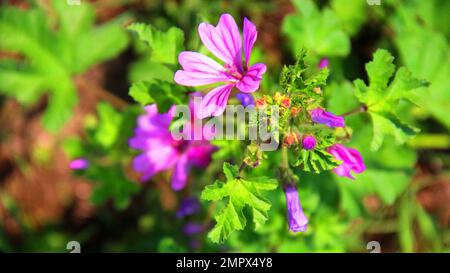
(34, 170)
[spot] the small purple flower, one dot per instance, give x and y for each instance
(193, 228)
(319, 115)
(162, 152)
(351, 160)
(188, 206)
(309, 142)
(223, 41)
(297, 219)
(323, 63)
(245, 99)
(79, 164)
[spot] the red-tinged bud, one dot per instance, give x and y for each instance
(290, 139)
(286, 102)
(317, 90)
(261, 103)
(295, 111)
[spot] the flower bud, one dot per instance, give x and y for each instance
(309, 142)
(351, 160)
(296, 217)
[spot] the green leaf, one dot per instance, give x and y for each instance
(164, 94)
(239, 192)
(111, 185)
(230, 171)
(316, 161)
(294, 79)
(107, 131)
(165, 46)
(351, 14)
(318, 31)
(424, 50)
(382, 97)
(53, 55)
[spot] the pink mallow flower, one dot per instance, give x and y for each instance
(223, 41)
(162, 152)
(351, 160)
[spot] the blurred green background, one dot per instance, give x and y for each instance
(65, 71)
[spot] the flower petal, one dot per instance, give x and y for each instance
(214, 103)
(297, 218)
(200, 152)
(250, 82)
(321, 116)
(180, 173)
(199, 69)
(250, 34)
(154, 161)
(351, 160)
(224, 40)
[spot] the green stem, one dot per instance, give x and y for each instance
(284, 158)
(430, 141)
(361, 109)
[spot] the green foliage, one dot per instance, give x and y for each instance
(107, 139)
(382, 97)
(53, 56)
(240, 192)
(112, 185)
(164, 94)
(317, 161)
(159, 52)
(164, 48)
(318, 31)
(422, 40)
(351, 14)
(294, 77)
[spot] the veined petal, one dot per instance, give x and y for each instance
(190, 78)
(194, 61)
(224, 40)
(199, 69)
(250, 34)
(250, 82)
(214, 103)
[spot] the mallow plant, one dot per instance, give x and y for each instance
(218, 96)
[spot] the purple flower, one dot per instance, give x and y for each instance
(319, 115)
(351, 160)
(188, 206)
(245, 99)
(223, 41)
(192, 228)
(323, 63)
(79, 164)
(297, 219)
(309, 142)
(162, 152)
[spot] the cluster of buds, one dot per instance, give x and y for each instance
(282, 100)
(308, 142)
(262, 102)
